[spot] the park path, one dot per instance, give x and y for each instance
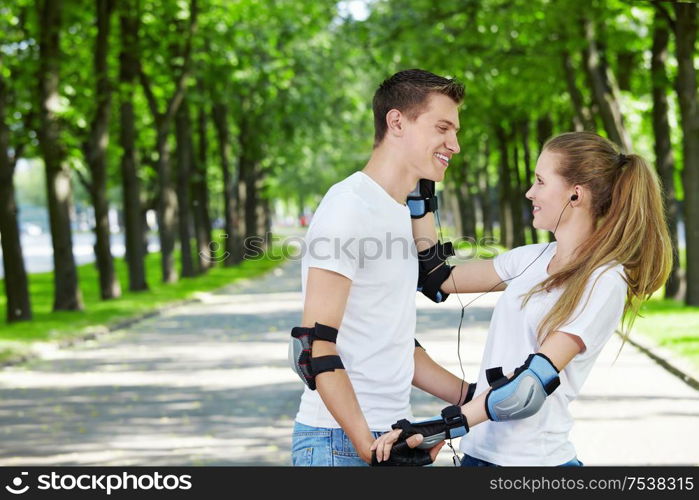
(207, 383)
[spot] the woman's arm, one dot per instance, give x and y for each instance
(469, 277)
(559, 347)
(437, 380)
(474, 276)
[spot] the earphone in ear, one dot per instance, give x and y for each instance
(574, 197)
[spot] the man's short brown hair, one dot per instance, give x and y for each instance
(408, 91)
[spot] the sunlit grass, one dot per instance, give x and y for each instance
(671, 324)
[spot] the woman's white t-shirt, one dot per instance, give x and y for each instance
(359, 231)
(541, 439)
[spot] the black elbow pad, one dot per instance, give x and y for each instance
(434, 270)
(300, 359)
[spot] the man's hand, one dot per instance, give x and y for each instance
(383, 444)
(425, 434)
(364, 450)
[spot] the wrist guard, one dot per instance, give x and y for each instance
(422, 199)
(300, 359)
(470, 392)
(450, 424)
(403, 455)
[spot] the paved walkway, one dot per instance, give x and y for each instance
(208, 384)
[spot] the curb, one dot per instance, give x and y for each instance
(668, 360)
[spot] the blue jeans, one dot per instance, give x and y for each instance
(469, 461)
(323, 447)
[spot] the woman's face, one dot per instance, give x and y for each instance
(550, 193)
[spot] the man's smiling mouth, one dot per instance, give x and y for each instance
(443, 158)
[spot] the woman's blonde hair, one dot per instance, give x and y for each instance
(630, 227)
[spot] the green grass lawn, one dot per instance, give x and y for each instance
(17, 338)
(672, 325)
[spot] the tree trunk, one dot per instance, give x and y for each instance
(626, 63)
(95, 153)
(239, 208)
(248, 176)
(604, 89)
(131, 184)
(67, 296)
(524, 131)
(234, 242)
(260, 202)
(582, 120)
(148, 204)
(185, 155)
(664, 160)
(450, 201)
(266, 225)
(166, 207)
(18, 305)
(505, 191)
(485, 195)
(200, 197)
(251, 201)
(467, 215)
(167, 197)
(544, 131)
(686, 35)
(517, 199)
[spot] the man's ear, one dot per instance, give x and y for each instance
(394, 122)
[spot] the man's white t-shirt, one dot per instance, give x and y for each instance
(541, 439)
(361, 232)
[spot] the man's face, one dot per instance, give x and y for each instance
(430, 140)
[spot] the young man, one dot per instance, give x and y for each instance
(359, 277)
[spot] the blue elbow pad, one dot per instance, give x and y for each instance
(522, 395)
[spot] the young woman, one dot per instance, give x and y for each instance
(562, 301)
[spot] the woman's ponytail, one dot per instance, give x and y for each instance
(630, 226)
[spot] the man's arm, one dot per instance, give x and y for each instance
(469, 277)
(326, 298)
